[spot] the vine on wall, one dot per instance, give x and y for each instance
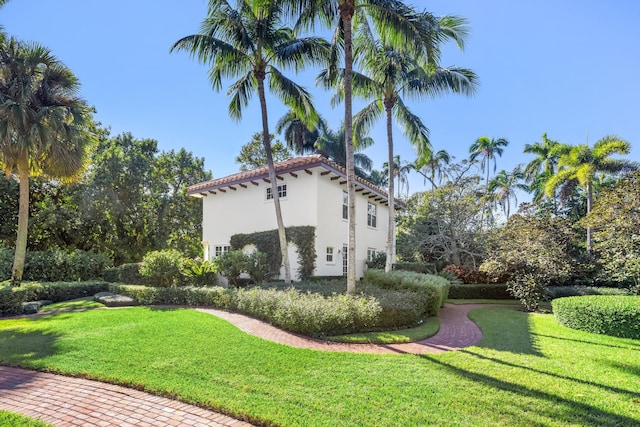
(303, 237)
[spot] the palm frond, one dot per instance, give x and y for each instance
(413, 127)
(241, 92)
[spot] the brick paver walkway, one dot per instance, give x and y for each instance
(456, 332)
(66, 401)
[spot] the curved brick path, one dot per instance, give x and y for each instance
(66, 401)
(456, 332)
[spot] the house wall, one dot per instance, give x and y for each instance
(311, 200)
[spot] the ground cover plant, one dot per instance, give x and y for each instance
(524, 372)
(11, 419)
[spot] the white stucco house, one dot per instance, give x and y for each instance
(313, 192)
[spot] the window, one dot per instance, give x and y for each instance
(345, 260)
(371, 254)
(282, 191)
(223, 249)
(371, 215)
(329, 254)
(345, 205)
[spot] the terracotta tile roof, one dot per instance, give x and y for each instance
(287, 166)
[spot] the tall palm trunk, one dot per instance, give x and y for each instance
(23, 222)
(347, 9)
(391, 243)
(282, 235)
(589, 207)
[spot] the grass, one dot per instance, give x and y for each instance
(527, 370)
(428, 329)
(74, 304)
(9, 419)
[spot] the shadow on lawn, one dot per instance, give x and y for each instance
(632, 345)
(562, 410)
(511, 331)
(629, 369)
(21, 348)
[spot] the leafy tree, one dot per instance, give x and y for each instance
(398, 23)
(581, 163)
(615, 219)
(179, 224)
(253, 156)
(533, 251)
(503, 188)
(43, 125)
(250, 42)
(442, 226)
(378, 178)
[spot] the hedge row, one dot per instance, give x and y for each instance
(618, 316)
(11, 298)
(305, 313)
(553, 292)
(52, 266)
(435, 289)
(480, 291)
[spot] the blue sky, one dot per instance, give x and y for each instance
(567, 68)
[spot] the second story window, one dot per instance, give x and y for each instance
(345, 205)
(371, 215)
(282, 191)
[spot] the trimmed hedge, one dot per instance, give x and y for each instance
(553, 292)
(618, 316)
(480, 291)
(295, 311)
(435, 288)
(56, 265)
(11, 298)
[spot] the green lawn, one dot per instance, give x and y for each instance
(9, 419)
(527, 371)
(74, 304)
(428, 329)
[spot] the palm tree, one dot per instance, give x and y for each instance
(504, 185)
(487, 148)
(331, 144)
(250, 42)
(401, 171)
(297, 135)
(581, 163)
(431, 164)
(43, 126)
(399, 23)
(387, 74)
(542, 166)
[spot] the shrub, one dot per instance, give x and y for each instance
(378, 261)
(162, 267)
(257, 268)
(418, 267)
(309, 313)
(399, 309)
(480, 291)
(11, 299)
(436, 288)
(6, 263)
(56, 265)
(62, 291)
(617, 316)
(215, 296)
(231, 265)
(554, 292)
(469, 276)
(200, 272)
